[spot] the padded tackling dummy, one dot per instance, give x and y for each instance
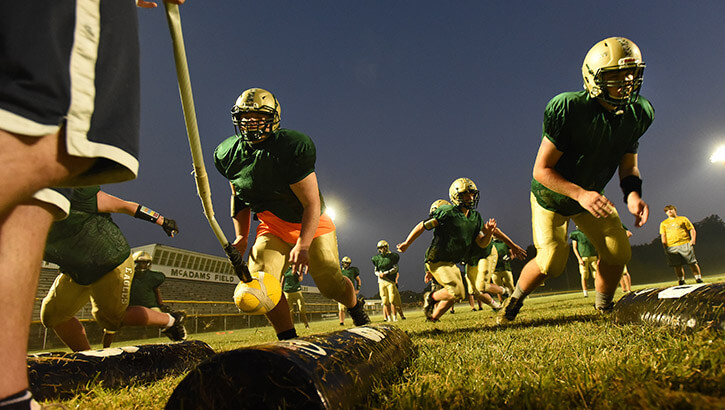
(685, 307)
(58, 374)
(328, 371)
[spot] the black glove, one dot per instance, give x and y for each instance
(169, 226)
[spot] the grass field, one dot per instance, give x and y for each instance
(558, 354)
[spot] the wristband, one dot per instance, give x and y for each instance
(147, 214)
(629, 184)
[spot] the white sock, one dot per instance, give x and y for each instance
(171, 322)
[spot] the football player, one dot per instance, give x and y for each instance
(502, 275)
(96, 264)
(387, 271)
(352, 273)
(272, 174)
(61, 124)
(587, 136)
(586, 255)
(293, 293)
(456, 228)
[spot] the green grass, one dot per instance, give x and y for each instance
(558, 354)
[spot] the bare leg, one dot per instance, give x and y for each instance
(680, 273)
(30, 164)
(695, 269)
(531, 277)
(340, 314)
(72, 333)
(607, 279)
(23, 231)
(445, 299)
(143, 316)
(280, 317)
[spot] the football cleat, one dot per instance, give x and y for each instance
(605, 310)
(428, 304)
(177, 331)
(358, 314)
(509, 311)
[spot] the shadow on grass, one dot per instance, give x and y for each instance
(516, 325)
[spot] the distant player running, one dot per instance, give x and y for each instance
(502, 275)
(587, 257)
(293, 292)
(587, 136)
(352, 273)
(456, 228)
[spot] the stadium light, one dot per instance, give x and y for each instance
(718, 155)
(331, 213)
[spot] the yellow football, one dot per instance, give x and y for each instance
(258, 296)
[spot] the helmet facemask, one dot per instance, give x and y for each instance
(470, 204)
(255, 115)
(627, 79)
(250, 129)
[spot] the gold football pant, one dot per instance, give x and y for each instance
(387, 291)
(109, 297)
(295, 298)
(448, 275)
(479, 275)
(270, 254)
(589, 268)
(504, 278)
(550, 238)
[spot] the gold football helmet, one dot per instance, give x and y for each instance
(141, 256)
(460, 186)
(435, 205)
(383, 246)
(346, 261)
(255, 100)
(614, 63)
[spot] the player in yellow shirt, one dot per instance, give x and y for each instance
(678, 238)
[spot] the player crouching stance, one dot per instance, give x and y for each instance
(272, 173)
(587, 135)
(456, 228)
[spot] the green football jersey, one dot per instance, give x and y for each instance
(504, 261)
(593, 142)
(351, 273)
(477, 253)
(143, 288)
(87, 244)
(262, 173)
(291, 284)
(386, 262)
(583, 245)
(455, 234)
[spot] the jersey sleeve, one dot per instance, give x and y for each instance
(303, 155)
(395, 258)
(224, 156)
(554, 126)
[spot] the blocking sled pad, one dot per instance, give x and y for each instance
(333, 370)
(58, 374)
(684, 307)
